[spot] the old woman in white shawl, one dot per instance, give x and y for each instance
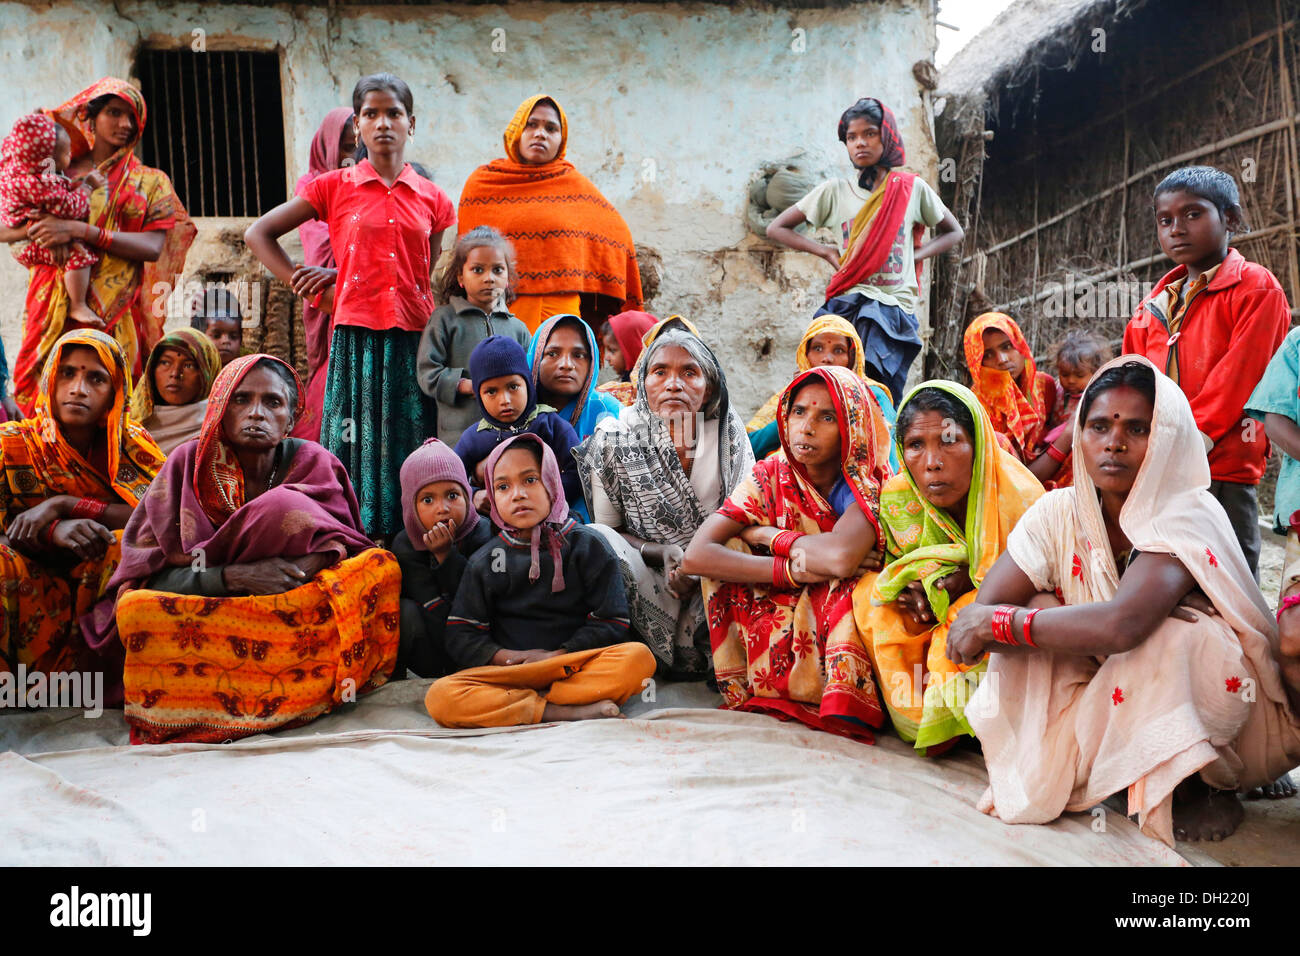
(654, 474)
(1160, 674)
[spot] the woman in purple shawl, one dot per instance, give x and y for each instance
(248, 597)
(331, 148)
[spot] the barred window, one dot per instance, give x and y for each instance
(216, 127)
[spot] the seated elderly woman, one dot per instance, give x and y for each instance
(945, 518)
(171, 397)
(248, 597)
(1100, 682)
(793, 542)
(651, 477)
(71, 476)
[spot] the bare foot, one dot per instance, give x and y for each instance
(601, 708)
(84, 315)
(1279, 789)
(1201, 813)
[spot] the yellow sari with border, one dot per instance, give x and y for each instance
(926, 693)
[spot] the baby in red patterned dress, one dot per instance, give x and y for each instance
(33, 158)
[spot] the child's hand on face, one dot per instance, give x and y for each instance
(440, 538)
(464, 387)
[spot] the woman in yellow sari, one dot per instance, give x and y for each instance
(72, 474)
(944, 519)
(136, 222)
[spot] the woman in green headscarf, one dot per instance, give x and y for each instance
(944, 519)
(171, 397)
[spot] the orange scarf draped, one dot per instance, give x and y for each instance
(1019, 410)
(40, 463)
(136, 199)
(567, 236)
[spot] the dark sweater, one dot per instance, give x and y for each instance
(433, 584)
(479, 440)
(498, 608)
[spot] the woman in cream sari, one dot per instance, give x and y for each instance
(1123, 689)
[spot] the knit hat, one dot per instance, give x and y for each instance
(495, 356)
(551, 525)
(433, 461)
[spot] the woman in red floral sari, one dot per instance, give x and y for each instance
(782, 557)
(136, 222)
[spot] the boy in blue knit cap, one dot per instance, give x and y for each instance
(503, 385)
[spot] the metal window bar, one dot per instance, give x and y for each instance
(182, 82)
(252, 100)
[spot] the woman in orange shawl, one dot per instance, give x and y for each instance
(1018, 397)
(72, 474)
(575, 252)
(136, 222)
(248, 597)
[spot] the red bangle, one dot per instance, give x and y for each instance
(784, 541)
(48, 534)
(89, 508)
(1028, 620)
(1056, 454)
(778, 571)
(1287, 602)
(1003, 617)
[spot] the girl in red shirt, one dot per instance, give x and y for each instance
(386, 225)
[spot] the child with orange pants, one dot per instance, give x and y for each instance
(540, 620)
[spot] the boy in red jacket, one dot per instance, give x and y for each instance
(1212, 323)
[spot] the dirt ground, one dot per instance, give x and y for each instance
(1270, 835)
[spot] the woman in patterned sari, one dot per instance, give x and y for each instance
(71, 476)
(653, 475)
(248, 597)
(785, 553)
(136, 222)
(945, 519)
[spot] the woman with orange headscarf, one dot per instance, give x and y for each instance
(248, 597)
(71, 476)
(1018, 397)
(136, 222)
(575, 252)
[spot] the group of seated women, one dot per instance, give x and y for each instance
(1098, 639)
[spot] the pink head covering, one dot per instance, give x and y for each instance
(324, 156)
(550, 526)
(433, 461)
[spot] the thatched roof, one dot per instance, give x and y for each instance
(1026, 36)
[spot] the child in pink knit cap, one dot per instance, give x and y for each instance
(32, 184)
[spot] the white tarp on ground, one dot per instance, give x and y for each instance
(679, 782)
